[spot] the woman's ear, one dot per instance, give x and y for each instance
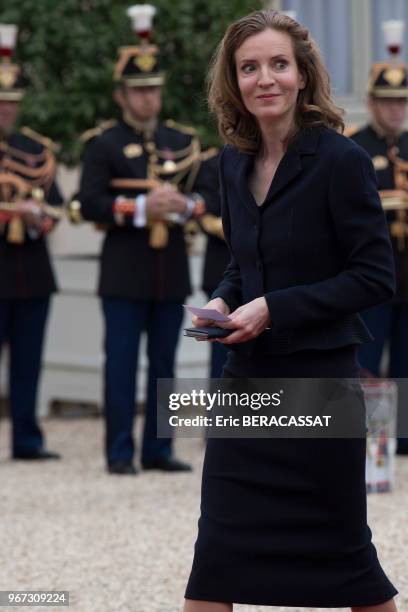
(302, 81)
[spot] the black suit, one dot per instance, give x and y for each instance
(318, 248)
(283, 521)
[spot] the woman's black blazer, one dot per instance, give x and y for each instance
(318, 249)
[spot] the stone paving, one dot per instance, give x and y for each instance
(125, 544)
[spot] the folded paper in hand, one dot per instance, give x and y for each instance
(207, 313)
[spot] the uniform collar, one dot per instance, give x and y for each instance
(147, 128)
(382, 134)
(5, 136)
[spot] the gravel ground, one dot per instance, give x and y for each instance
(125, 544)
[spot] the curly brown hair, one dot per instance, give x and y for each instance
(314, 106)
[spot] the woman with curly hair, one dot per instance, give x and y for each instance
(284, 520)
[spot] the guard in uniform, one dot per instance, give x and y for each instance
(142, 180)
(387, 143)
(28, 196)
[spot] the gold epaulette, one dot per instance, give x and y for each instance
(209, 154)
(180, 128)
(350, 130)
(46, 142)
(97, 130)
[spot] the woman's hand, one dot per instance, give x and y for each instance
(215, 304)
(248, 320)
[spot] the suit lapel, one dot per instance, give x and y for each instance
(290, 166)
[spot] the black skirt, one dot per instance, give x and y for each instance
(284, 521)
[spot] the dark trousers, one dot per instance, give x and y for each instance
(22, 325)
(125, 320)
(388, 323)
(219, 354)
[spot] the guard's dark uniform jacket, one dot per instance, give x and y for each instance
(379, 149)
(25, 269)
(130, 267)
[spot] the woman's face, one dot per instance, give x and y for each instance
(268, 76)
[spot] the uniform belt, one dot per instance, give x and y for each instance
(394, 199)
(129, 183)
